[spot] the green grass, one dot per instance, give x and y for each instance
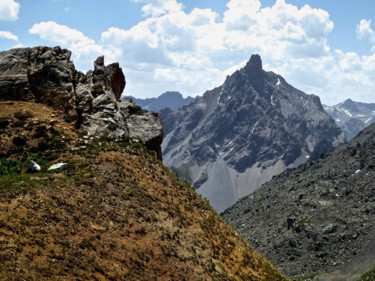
(369, 275)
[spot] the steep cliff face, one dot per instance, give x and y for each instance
(239, 135)
(351, 116)
(318, 218)
(92, 100)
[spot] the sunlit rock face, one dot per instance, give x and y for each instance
(92, 100)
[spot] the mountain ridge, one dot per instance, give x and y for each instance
(242, 133)
(171, 99)
(351, 116)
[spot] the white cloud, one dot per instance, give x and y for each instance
(364, 30)
(9, 10)
(85, 50)
(171, 49)
(8, 35)
(156, 8)
(58, 33)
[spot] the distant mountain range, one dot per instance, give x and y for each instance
(351, 116)
(318, 218)
(237, 136)
(171, 100)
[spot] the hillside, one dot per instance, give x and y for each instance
(318, 218)
(113, 212)
(236, 137)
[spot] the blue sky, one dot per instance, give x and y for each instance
(321, 47)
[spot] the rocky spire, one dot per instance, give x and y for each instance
(255, 71)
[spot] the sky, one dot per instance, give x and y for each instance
(321, 47)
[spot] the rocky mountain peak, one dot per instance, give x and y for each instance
(255, 63)
(240, 134)
(254, 70)
(91, 101)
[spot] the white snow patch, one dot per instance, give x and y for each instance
(337, 195)
(368, 120)
(278, 82)
(357, 171)
(347, 112)
(219, 96)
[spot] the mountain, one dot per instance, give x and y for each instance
(239, 135)
(171, 100)
(112, 211)
(319, 217)
(352, 117)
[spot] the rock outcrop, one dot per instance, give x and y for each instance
(92, 100)
(238, 136)
(319, 217)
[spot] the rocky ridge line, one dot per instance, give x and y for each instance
(92, 100)
(239, 135)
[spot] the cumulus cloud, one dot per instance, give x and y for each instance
(8, 35)
(85, 49)
(171, 49)
(9, 10)
(58, 33)
(364, 30)
(204, 42)
(156, 8)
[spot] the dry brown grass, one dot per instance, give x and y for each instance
(115, 214)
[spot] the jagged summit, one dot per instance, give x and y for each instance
(254, 64)
(254, 70)
(240, 134)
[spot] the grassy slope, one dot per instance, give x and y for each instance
(114, 214)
